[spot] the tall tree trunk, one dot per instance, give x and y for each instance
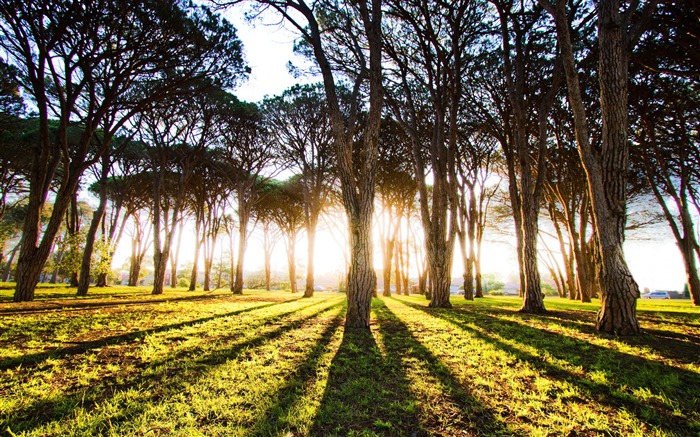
(34, 253)
(311, 246)
(398, 263)
(291, 262)
(237, 285)
(175, 256)
(607, 174)
(84, 280)
(468, 264)
(388, 257)
(195, 265)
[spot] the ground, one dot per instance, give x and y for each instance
(125, 363)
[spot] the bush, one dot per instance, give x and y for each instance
(498, 292)
(183, 282)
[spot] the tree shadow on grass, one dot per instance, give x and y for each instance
(34, 359)
(368, 391)
(624, 372)
(71, 302)
(680, 347)
(165, 374)
(276, 419)
(456, 411)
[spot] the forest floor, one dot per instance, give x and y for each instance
(124, 363)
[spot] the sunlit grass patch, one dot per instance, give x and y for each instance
(272, 363)
(565, 373)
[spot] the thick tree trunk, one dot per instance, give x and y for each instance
(362, 280)
(620, 291)
(160, 264)
(34, 253)
(607, 174)
(532, 292)
(440, 264)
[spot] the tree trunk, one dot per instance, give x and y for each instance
(237, 285)
(84, 280)
(311, 246)
(398, 264)
(439, 261)
(160, 263)
(34, 253)
(195, 265)
(388, 257)
(8, 266)
(362, 280)
(607, 174)
(291, 262)
(175, 256)
(477, 277)
(532, 291)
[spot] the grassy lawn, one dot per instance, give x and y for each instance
(125, 363)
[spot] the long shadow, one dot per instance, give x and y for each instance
(274, 420)
(58, 305)
(619, 367)
(162, 374)
(684, 348)
(366, 393)
(33, 359)
(472, 416)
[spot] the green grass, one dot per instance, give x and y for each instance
(125, 363)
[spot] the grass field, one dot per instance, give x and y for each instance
(125, 363)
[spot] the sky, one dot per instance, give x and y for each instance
(655, 261)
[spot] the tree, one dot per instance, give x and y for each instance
(345, 39)
(178, 134)
(396, 189)
(531, 85)
(242, 158)
(665, 109)
(284, 202)
(476, 154)
(299, 126)
(430, 44)
(606, 169)
(97, 64)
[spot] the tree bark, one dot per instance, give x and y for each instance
(606, 172)
(388, 257)
(34, 253)
(243, 215)
(362, 280)
(291, 262)
(195, 264)
(311, 246)
(84, 279)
